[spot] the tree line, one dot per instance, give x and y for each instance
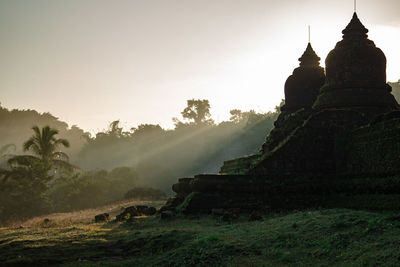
(41, 177)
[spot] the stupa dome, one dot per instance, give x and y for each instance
(356, 73)
(302, 87)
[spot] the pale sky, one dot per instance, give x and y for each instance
(90, 62)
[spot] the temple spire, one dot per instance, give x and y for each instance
(302, 87)
(355, 6)
(309, 34)
(309, 57)
(355, 29)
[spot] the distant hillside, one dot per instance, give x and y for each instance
(396, 90)
(15, 128)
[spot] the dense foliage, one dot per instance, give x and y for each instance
(23, 191)
(44, 181)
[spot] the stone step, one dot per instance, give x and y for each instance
(239, 165)
(183, 187)
(213, 191)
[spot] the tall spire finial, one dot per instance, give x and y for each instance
(309, 57)
(355, 6)
(309, 34)
(355, 29)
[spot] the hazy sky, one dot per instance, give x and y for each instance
(90, 62)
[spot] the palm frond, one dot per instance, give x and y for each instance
(36, 130)
(63, 142)
(29, 143)
(49, 133)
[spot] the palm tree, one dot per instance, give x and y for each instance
(44, 145)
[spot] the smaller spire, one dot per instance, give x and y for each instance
(355, 29)
(309, 57)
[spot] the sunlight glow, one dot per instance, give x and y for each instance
(142, 63)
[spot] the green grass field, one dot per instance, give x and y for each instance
(334, 237)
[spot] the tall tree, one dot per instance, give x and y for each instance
(44, 145)
(198, 111)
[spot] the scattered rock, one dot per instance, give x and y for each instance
(134, 211)
(254, 216)
(151, 211)
(46, 220)
(167, 214)
(141, 209)
(101, 217)
(145, 210)
(127, 214)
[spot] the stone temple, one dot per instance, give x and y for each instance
(336, 142)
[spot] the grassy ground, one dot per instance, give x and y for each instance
(334, 237)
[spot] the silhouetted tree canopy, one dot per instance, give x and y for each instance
(197, 111)
(147, 130)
